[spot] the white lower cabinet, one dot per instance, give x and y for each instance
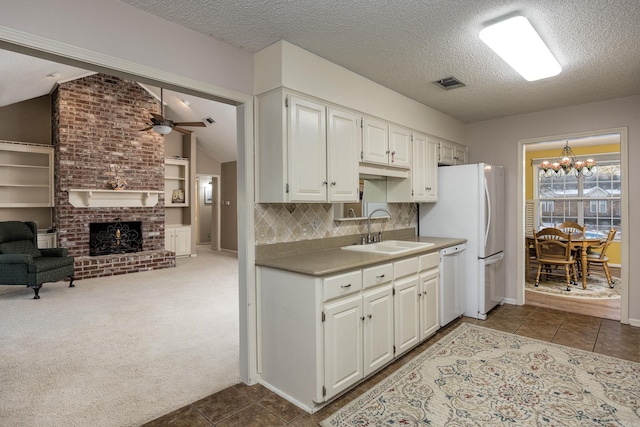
(319, 336)
(428, 295)
(378, 328)
(342, 344)
(406, 284)
(46, 240)
(358, 329)
(177, 239)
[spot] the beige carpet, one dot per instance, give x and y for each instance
(121, 350)
(481, 377)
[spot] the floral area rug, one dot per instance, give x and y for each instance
(597, 286)
(482, 377)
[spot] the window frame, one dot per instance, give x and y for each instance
(580, 199)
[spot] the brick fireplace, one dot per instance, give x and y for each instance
(96, 135)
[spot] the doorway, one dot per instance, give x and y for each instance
(208, 210)
(60, 52)
(608, 145)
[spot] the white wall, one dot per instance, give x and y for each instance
(113, 28)
(495, 141)
(284, 64)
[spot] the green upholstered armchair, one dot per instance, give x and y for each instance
(22, 263)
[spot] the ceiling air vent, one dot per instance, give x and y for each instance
(208, 121)
(449, 83)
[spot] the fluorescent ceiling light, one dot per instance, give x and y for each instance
(518, 44)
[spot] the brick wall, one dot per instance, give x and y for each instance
(96, 129)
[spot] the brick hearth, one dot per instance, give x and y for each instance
(96, 129)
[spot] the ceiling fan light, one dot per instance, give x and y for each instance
(162, 129)
(520, 46)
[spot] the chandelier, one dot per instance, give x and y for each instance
(566, 164)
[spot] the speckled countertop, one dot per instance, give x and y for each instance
(324, 261)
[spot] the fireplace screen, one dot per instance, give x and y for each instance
(107, 238)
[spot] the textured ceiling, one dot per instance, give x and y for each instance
(407, 44)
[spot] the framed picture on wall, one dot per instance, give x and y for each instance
(207, 194)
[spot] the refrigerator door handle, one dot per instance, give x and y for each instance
(494, 259)
(488, 197)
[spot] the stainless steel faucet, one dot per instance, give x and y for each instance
(369, 237)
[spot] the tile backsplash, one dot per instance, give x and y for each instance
(291, 222)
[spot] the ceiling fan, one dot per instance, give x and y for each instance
(162, 125)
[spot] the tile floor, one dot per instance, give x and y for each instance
(247, 406)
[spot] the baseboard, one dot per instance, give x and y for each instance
(634, 322)
(509, 301)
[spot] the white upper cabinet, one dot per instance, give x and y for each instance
(451, 153)
(375, 141)
(385, 144)
(423, 183)
(431, 171)
(399, 147)
(343, 146)
(307, 152)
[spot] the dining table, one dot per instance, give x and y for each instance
(581, 242)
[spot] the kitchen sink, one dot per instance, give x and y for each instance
(389, 247)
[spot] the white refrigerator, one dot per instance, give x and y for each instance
(471, 206)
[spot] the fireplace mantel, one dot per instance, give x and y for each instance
(84, 198)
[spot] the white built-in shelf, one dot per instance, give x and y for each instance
(83, 198)
(26, 175)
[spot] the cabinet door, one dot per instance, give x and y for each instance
(343, 344)
(375, 141)
(46, 240)
(399, 147)
(419, 168)
(343, 152)
(183, 240)
(378, 328)
(460, 155)
(407, 321)
(169, 239)
(307, 151)
(429, 318)
(446, 154)
(431, 172)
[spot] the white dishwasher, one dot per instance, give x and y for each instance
(452, 282)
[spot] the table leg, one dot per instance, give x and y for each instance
(583, 261)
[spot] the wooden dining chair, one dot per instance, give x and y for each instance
(553, 251)
(598, 258)
(573, 228)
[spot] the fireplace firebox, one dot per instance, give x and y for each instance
(119, 237)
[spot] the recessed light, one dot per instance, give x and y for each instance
(185, 102)
(519, 45)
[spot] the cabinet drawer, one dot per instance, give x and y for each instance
(377, 275)
(342, 284)
(429, 261)
(405, 267)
